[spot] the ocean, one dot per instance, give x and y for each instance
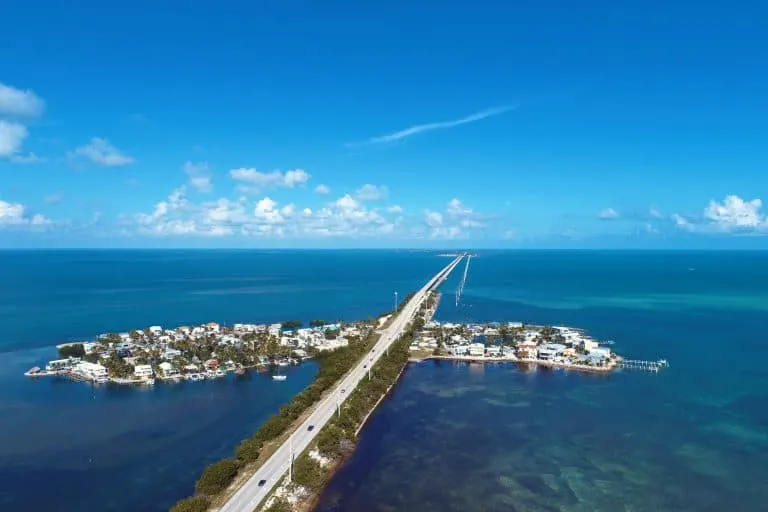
(472, 437)
(72, 447)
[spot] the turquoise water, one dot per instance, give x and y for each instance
(485, 438)
(70, 447)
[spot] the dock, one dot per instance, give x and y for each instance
(647, 366)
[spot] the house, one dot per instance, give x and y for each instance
(167, 369)
(459, 350)
(550, 351)
(476, 349)
(493, 351)
(155, 329)
(527, 350)
(600, 353)
(142, 371)
(91, 370)
(515, 325)
(588, 345)
(170, 353)
(213, 327)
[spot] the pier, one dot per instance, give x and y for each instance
(647, 366)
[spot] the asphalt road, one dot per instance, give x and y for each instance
(251, 493)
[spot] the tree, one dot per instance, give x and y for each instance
(248, 450)
(331, 334)
(193, 504)
(217, 476)
(74, 350)
(291, 324)
(317, 323)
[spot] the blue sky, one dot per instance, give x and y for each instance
(399, 124)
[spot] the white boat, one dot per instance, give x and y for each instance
(219, 373)
(279, 377)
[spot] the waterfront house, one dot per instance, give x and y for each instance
(155, 329)
(588, 345)
(142, 371)
(91, 370)
(476, 349)
(170, 353)
(550, 351)
(493, 351)
(600, 353)
(515, 325)
(60, 364)
(527, 350)
(459, 350)
(213, 327)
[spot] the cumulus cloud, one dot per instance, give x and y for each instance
(370, 192)
(656, 214)
(257, 181)
(12, 137)
(199, 177)
(734, 213)
(457, 221)
(15, 214)
(101, 152)
(19, 103)
(395, 208)
(608, 213)
(433, 219)
(323, 189)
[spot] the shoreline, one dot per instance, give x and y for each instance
(534, 362)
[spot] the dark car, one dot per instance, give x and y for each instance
(365, 366)
(311, 428)
(262, 482)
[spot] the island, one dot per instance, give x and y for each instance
(197, 353)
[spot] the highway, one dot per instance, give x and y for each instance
(251, 493)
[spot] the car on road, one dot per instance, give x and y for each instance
(262, 482)
(310, 428)
(365, 366)
(343, 391)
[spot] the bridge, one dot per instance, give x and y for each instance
(248, 497)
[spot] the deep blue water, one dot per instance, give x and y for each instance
(70, 447)
(498, 438)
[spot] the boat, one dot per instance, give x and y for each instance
(33, 372)
(219, 373)
(279, 377)
(240, 371)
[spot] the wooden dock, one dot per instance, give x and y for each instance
(647, 366)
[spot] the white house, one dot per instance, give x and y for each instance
(493, 351)
(167, 369)
(477, 349)
(459, 350)
(92, 370)
(155, 329)
(142, 371)
(213, 327)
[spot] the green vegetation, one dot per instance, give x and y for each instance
(194, 504)
(217, 476)
(289, 325)
(331, 334)
(336, 439)
(317, 323)
(117, 367)
(333, 365)
(279, 505)
(76, 350)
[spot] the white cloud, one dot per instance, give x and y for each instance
(259, 181)
(395, 208)
(15, 214)
(101, 152)
(12, 136)
(323, 189)
(428, 127)
(199, 177)
(267, 212)
(681, 222)
(734, 213)
(653, 212)
(608, 213)
(29, 158)
(307, 212)
(433, 219)
(19, 103)
(457, 209)
(370, 192)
